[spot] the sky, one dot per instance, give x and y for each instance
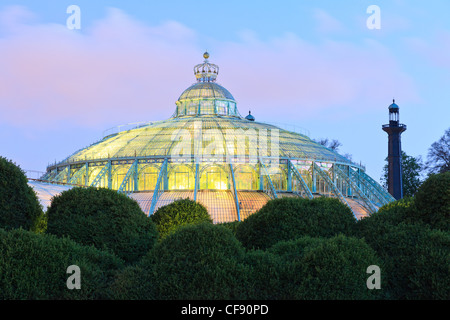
(312, 65)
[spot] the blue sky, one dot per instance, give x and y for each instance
(312, 64)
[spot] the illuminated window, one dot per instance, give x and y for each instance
(148, 178)
(181, 178)
(192, 109)
(119, 175)
(214, 178)
(246, 178)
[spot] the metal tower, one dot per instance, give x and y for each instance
(394, 130)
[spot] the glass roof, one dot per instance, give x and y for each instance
(206, 90)
(161, 139)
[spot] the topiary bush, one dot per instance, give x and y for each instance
(202, 261)
(34, 267)
(19, 206)
(389, 215)
(103, 218)
(432, 201)
(178, 213)
(291, 218)
(231, 225)
(336, 269)
(417, 261)
(312, 268)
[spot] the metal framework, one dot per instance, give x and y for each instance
(77, 175)
(330, 184)
(131, 172)
(271, 190)
(236, 199)
(152, 163)
(369, 206)
(300, 179)
(158, 186)
(101, 174)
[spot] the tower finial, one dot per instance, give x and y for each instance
(206, 72)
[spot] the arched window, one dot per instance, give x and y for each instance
(214, 178)
(181, 177)
(148, 178)
(246, 178)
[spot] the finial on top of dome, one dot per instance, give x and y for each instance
(250, 117)
(206, 72)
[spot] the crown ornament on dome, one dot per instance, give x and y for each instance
(206, 72)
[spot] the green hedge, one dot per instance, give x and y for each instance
(291, 218)
(312, 268)
(19, 206)
(201, 261)
(232, 226)
(417, 261)
(385, 218)
(178, 213)
(103, 218)
(34, 267)
(432, 201)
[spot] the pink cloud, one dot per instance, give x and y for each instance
(122, 70)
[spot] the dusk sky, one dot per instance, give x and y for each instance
(311, 64)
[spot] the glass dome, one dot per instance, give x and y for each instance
(206, 98)
(207, 152)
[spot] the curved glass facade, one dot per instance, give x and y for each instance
(209, 153)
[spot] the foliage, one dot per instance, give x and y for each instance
(336, 269)
(438, 159)
(411, 171)
(291, 218)
(432, 201)
(200, 261)
(385, 218)
(416, 261)
(34, 267)
(178, 213)
(19, 206)
(231, 225)
(312, 268)
(333, 144)
(40, 224)
(103, 218)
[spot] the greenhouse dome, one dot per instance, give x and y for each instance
(211, 154)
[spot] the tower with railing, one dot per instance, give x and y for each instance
(394, 130)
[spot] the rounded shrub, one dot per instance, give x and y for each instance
(136, 282)
(389, 215)
(19, 206)
(312, 268)
(202, 261)
(34, 267)
(231, 225)
(416, 259)
(432, 201)
(291, 218)
(336, 269)
(266, 273)
(178, 213)
(103, 218)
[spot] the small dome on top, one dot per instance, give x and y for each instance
(250, 117)
(206, 97)
(206, 90)
(393, 105)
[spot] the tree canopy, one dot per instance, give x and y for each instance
(412, 168)
(438, 159)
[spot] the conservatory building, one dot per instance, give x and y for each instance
(211, 154)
